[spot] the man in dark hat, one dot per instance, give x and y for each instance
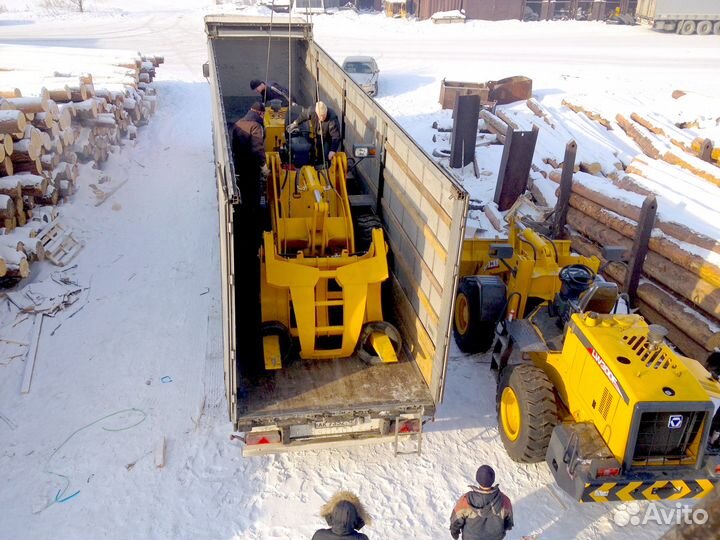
(484, 513)
(248, 148)
(270, 91)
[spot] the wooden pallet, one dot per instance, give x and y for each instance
(60, 245)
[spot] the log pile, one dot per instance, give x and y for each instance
(680, 284)
(50, 122)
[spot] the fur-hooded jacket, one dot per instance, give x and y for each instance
(345, 515)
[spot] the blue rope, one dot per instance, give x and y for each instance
(60, 496)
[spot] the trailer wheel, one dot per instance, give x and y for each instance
(472, 334)
(527, 412)
(716, 28)
(687, 28)
(704, 28)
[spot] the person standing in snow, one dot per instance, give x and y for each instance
(346, 515)
(484, 513)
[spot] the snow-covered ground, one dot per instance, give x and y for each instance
(148, 336)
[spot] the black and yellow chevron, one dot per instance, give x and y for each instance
(668, 490)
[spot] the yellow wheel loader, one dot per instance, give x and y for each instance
(321, 271)
(615, 412)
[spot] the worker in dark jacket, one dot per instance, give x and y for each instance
(248, 148)
(325, 127)
(272, 90)
(346, 515)
(484, 513)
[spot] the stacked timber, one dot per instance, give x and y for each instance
(52, 121)
(680, 283)
(680, 286)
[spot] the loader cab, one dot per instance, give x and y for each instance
(581, 291)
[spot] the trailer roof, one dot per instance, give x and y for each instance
(278, 20)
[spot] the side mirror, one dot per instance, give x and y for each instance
(613, 253)
(206, 70)
(501, 251)
(364, 150)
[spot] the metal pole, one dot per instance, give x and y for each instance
(566, 178)
(640, 245)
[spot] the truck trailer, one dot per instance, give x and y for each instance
(422, 209)
(682, 16)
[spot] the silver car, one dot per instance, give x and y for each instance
(364, 71)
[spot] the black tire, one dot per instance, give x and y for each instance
(363, 236)
(704, 28)
(276, 328)
(365, 351)
(687, 28)
(538, 413)
(716, 28)
(471, 334)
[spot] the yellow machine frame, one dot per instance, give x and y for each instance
(313, 281)
(533, 256)
(605, 369)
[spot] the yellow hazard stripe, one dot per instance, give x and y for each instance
(625, 493)
(706, 486)
(606, 487)
(684, 490)
(649, 491)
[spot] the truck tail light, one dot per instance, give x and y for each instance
(717, 468)
(409, 426)
(609, 471)
(262, 437)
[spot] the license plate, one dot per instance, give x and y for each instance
(324, 424)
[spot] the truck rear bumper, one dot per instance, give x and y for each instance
(316, 444)
(652, 487)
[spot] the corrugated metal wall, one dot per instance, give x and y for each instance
(425, 8)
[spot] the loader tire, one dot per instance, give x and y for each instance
(472, 334)
(527, 412)
(716, 28)
(365, 226)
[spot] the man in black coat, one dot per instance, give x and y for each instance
(272, 90)
(484, 513)
(248, 148)
(325, 127)
(345, 515)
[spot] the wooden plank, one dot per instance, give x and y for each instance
(160, 451)
(32, 353)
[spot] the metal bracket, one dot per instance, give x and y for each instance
(640, 246)
(410, 436)
(566, 179)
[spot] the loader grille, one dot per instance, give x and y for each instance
(656, 359)
(666, 438)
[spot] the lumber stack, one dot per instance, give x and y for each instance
(50, 122)
(680, 285)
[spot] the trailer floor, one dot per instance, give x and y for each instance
(335, 385)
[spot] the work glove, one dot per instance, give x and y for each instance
(265, 170)
(331, 154)
(293, 128)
